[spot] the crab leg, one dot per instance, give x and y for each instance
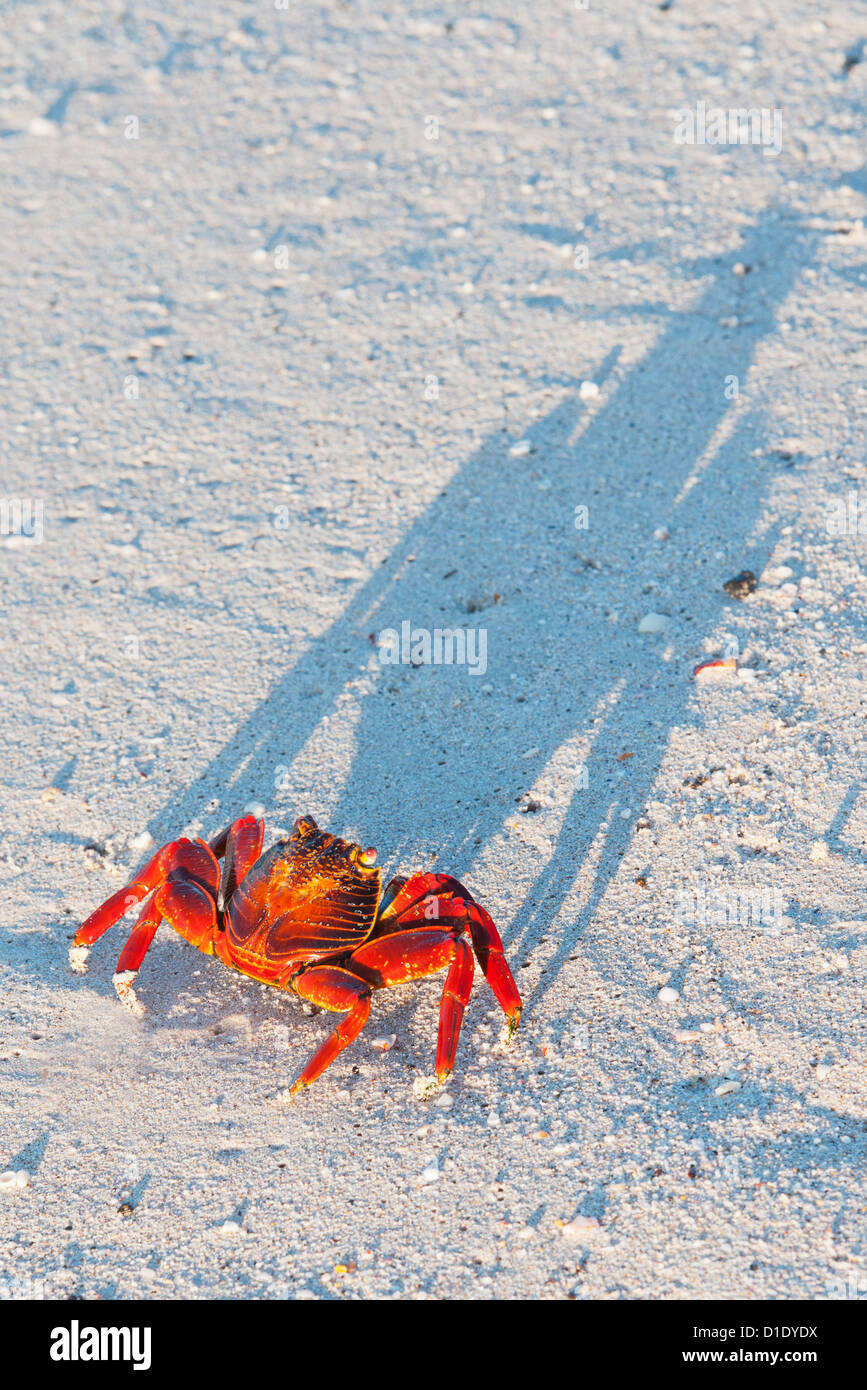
(241, 843)
(390, 960)
(438, 897)
(456, 994)
(488, 947)
(133, 954)
(337, 990)
(416, 952)
(186, 906)
(119, 903)
(193, 856)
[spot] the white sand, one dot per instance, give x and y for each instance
(176, 385)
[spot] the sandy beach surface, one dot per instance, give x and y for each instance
(323, 320)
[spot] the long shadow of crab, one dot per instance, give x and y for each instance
(460, 756)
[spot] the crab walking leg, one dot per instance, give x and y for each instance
(488, 947)
(193, 856)
(410, 955)
(425, 903)
(413, 952)
(133, 954)
(187, 907)
(116, 907)
(337, 990)
(456, 994)
(241, 844)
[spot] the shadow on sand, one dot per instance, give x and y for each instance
(453, 774)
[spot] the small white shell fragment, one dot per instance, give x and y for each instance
(230, 1228)
(727, 1088)
(445, 1101)
(255, 808)
(429, 1175)
(581, 1227)
(653, 622)
(142, 842)
(78, 958)
(384, 1044)
(493, 1120)
(685, 1035)
(520, 449)
(819, 852)
(660, 534)
(588, 391)
(13, 1180)
(822, 1072)
(668, 995)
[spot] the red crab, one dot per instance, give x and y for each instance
(310, 916)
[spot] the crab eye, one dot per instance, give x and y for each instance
(367, 856)
(304, 825)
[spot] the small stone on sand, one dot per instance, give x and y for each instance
(653, 623)
(13, 1180)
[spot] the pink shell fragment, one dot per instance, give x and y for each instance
(719, 664)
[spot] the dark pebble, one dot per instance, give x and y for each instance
(741, 585)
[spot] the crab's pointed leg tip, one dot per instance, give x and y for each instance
(291, 1093)
(122, 982)
(78, 958)
(514, 1021)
